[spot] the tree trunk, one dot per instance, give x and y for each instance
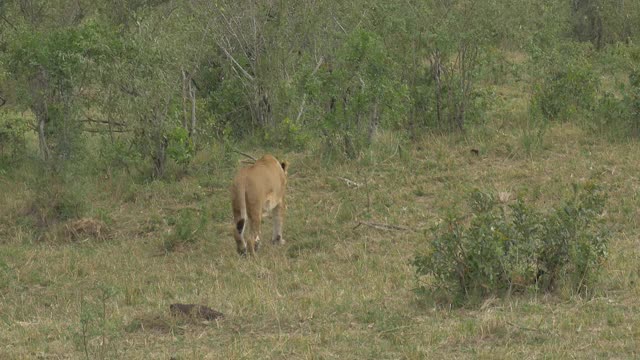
(192, 96)
(263, 107)
(42, 139)
(375, 121)
(185, 123)
(160, 158)
(436, 68)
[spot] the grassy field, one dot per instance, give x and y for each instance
(339, 288)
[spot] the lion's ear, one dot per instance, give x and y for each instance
(285, 165)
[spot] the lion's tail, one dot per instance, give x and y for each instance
(240, 226)
(243, 209)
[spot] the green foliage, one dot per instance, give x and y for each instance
(566, 92)
(49, 66)
(187, 228)
(96, 323)
(56, 198)
(619, 116)
(337, 72)
(362, 89)
(516, 248)
(117, 153)
(180, 147)
(13, 129)
(288, 134)
(604, 22)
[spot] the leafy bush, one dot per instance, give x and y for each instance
(506, 249)
(180, 147)
(116, 154)
(55, 200)
(563, 93)
(12, 134)
(619, 116)
(186, 230)
(288, 134)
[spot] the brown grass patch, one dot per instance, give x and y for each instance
(86, 229)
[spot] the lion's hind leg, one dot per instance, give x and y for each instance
(238, 235)
(253, 242)
(278, 219)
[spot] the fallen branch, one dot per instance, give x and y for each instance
(195, 311)
(379, 226)
(244, 154)
(523, 327)
(349, 182)
(105, 122)
(233, 60)
(105, 131)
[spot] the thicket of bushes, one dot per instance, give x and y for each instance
(506, 249)
(155, 80)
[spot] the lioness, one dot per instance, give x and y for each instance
(256, 191)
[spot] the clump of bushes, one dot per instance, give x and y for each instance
(565, 93)
(187, 227)
(516, 248)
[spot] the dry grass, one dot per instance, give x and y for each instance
(335, 290)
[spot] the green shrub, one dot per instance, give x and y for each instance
(56, 201)
(117, 153)
(619, 116)
(187, 227)
(180, 147)
(288, 134)
(13, 129)
(507, 249)
(568, 91)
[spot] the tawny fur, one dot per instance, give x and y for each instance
(258, 190)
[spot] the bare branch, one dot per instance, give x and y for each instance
(385, 227)
(304, 97)
(349, 183)
(304, 100)
(244, 154)
(102, 131)
(8, 22)
(244, 72)
(340, 25)
(315, 70)
(241, 39)
(91, 120)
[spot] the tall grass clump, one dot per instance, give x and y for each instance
(187, 227)
(516, 248)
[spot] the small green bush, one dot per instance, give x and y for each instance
(515, 248)
(56, 201)
(187, 227)
(13, 129)
(566, 92)
(180, 148)
(619, 116)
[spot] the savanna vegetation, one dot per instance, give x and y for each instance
(463, 178)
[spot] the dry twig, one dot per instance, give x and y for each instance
(350, 183)
(386, 227)
(244, 154)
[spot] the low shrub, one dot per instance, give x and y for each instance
(187, 227)
(516, 248)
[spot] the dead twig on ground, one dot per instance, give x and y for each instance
(244, 154)
(349, 183)
(380, 226)
(524, 327)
